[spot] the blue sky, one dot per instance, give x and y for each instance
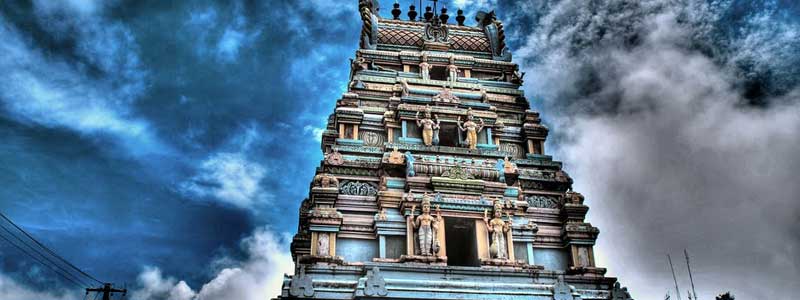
(152, 140)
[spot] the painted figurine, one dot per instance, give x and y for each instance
(425, 67)
(472, 129)
(426, 226)
(497, 228)
(452, 70)
(428, 126)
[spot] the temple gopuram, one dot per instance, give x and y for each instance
(435, 182)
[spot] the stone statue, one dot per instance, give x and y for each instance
(471, 128)
(323, 242)
(404, 89)
(369, 27)
(325, 181)
(428, 126)
(425, 67)
(409, 164)
(426, 226)
(484, 96)
(493, 29)
(452, 70)
(395, 157)
(497, 228)
(500, 167)
(508, 166)
(516, 77)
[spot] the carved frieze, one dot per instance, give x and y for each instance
(541, 201)
(357, 188)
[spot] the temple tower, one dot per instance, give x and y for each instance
(435, 182)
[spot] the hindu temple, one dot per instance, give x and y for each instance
(435, 182)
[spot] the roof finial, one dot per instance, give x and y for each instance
(412, 12)
(460, 17)
(396, 10)
(444, 16)
(428, 14)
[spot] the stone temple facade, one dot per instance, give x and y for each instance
(435, 182)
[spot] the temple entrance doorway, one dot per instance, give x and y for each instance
(462, 247)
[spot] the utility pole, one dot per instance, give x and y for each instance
(673, 276)
(107, 291)
(686, 253)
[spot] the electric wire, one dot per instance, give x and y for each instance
(43, 263)
(49, 251)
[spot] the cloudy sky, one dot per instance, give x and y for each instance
(168, 145)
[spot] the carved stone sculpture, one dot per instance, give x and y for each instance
(472, 129)
(562, 290)
(426, 226)
(323, 243)
(369, 27)
(620, 293)
(500, 167)
(301, 284)
(375, 285)
(508, 166)
(498, 228)
(325, 181)
(494, 31)
(429, 126)
(425, 67)
(452, 70)
(446, 96)
(409, 164)
(404, 89)
(395, 157)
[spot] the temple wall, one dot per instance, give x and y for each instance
(355, 250)
(551, 259)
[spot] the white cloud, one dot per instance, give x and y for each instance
(313, 131)
(260, 276)
(12, 290)
(229, 178)
(45, 90)
(656, 136)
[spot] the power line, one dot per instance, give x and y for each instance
(80, 285)
(50, 251)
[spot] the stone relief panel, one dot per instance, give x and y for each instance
(357, 188)
(372, 138)
(513, 149)
(540, 201)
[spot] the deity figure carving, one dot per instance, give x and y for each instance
(500, 167)
(497, 228)
(516, 77)
(452, 70)
(426, 226)
(484, 96)
(471, 128)
(404, 89)
(325, 181)
(323, 241)
(508, 166)
(429, 127)
(425, 67)
(395, 157)
(409, 164)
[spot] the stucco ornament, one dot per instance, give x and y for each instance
(426, 226)
(497, 228)
(471, 128)
(301, 284)
(375, 285)
(429, 126)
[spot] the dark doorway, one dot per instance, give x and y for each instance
(462, 248)
(448, 135)
(438, 73)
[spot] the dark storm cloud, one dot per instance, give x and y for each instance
(680, 124)
(159, 134)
